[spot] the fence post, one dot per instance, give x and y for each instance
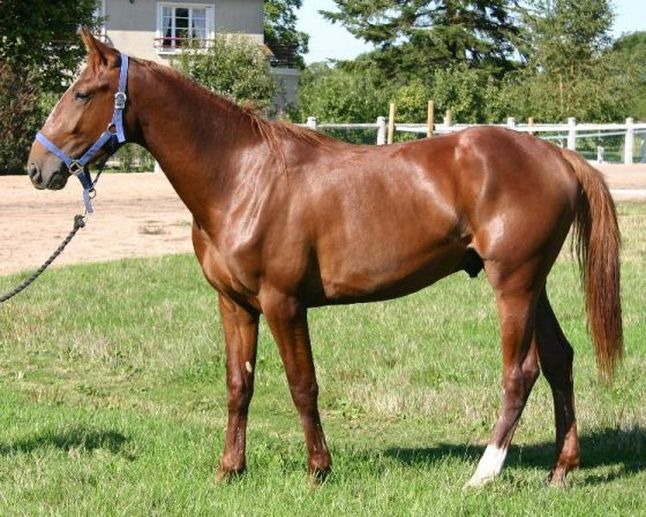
(571, 133)
(629, 142)
(381, 130)
(530, 125)
(430, 119)
(601, 154)
(311, 123)
(448, 121)
(391, 122)
(511, 122)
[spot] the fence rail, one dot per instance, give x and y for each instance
(567, 133)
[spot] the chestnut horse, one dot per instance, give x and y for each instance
(286, 219)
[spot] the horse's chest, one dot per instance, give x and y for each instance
(229, 267)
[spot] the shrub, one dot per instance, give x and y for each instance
(132, 158)
(232, 66)
(334, 94)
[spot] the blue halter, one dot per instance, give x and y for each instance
(114, 134)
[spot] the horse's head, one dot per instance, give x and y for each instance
(80, 117)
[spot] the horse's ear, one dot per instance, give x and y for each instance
(98, 52)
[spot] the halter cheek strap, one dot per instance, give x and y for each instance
(114, 134)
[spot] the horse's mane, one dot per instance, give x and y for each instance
(271, 132)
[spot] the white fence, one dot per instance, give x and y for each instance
(565, 134)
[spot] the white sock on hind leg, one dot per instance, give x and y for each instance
(489, 466)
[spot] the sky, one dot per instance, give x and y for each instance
(329, 41)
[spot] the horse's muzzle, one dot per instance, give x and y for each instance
(56, 180)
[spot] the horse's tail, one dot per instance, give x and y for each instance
(597, 241)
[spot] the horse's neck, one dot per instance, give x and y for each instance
(197, 139)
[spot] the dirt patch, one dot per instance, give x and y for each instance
(137, 215)
(620, 176)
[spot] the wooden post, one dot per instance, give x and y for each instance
(530, 125)
(430, 119)
(391, 122)
(629, 142)
(311, 123)
(381, 130)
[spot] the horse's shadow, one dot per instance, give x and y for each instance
(623, 448)
(81, 439)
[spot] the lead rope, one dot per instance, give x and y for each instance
(79, 222)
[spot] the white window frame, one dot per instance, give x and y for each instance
(159, 33)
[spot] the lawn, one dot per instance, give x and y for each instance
(112, 388)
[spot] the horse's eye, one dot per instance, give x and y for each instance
(81, 96)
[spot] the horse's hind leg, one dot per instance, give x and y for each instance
(516, 306)
(555, 355)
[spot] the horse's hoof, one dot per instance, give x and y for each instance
(478, 482)
(227, 475)
(557, 480)
(317, 475)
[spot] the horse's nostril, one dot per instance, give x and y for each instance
(34, 173)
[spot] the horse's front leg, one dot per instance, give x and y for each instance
(287, 319)
(241, 338)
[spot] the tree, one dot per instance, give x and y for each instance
(565, 65)
(281, 35)
(21, 113)
(564, 38)
(415, 37)
(570, 71)
(232, 66)
(40, 36)
(39, 53)
(332, 94)
(335, 94)
(630, 51)
(464, 91)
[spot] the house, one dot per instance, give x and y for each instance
(156, 30)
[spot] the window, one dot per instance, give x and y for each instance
(179, 23)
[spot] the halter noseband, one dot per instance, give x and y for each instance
(114, 135)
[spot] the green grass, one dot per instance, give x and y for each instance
(113, 401)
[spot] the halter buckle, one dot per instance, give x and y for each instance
(120, 99)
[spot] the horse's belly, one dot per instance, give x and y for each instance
(391, 272)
